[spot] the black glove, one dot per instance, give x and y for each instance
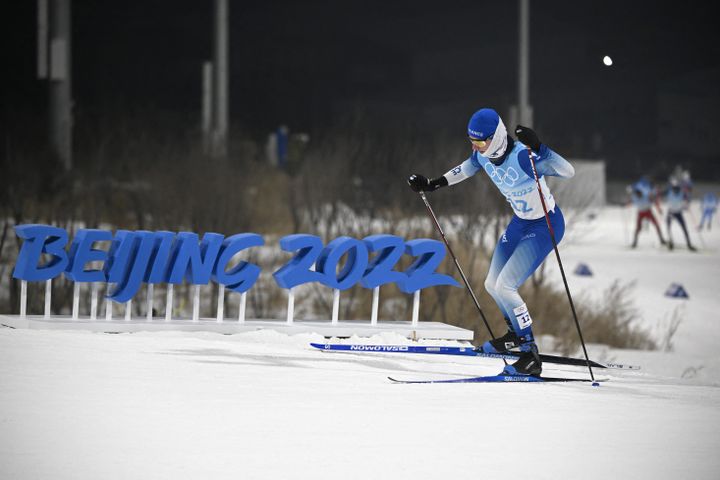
(420, 183)
(528, 136)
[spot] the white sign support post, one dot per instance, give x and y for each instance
(221, 303)
(169, 302)
(416, 308)
(76, 300)
(291, 306)
(23, 298)
(48, 298)
(93, 301)
(150, 298)
(108, 304)
(336, 306)
(243, 305)
(375, 306)
(196, 303)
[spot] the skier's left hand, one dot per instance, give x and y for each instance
(528, 136)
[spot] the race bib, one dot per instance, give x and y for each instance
(522, 316)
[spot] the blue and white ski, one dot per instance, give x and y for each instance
(464, 351)
(501, 378)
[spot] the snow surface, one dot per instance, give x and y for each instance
(79, 405)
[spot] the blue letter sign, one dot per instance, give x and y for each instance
(134, 258)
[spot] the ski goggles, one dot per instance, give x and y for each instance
(480, 143)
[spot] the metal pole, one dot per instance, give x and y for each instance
(42, 39)
(221, 78)
(207, 96)
(60, 81)
(523, 66)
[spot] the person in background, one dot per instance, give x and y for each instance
(709, 207)
(686, 184)
(677, 201)
(682, 176)
(643, 196)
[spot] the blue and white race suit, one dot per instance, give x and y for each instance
(709, 206)
(526, 241)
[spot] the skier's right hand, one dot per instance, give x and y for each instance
(419, 183)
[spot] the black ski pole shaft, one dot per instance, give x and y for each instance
(562, 270)
(457, 264)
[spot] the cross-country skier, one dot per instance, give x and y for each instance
(677, 201)
(526, 241)
(643, 196)
(709, 206)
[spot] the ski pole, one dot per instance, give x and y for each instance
(557, 255)
(457, 264)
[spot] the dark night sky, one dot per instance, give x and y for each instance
(428, 64)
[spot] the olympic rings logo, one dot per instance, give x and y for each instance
(501, 175)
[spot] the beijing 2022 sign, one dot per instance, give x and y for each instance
(136, 257)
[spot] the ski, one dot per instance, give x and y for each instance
(464, 351)
(501, 378)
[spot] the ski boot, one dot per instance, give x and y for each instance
(529, 362)
(505, 343)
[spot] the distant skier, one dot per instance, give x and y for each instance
(709, 207)
(677, 201)
(643, 196)
(526, 241)
(686, 184)
(682, 176)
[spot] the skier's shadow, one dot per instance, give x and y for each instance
(230, 357)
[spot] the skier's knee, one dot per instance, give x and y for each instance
(491, 284)
(507, 289)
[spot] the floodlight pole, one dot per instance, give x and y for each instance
(524, 111)
(54, 63)
(220, 84)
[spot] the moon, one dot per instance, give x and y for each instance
(607, 61)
